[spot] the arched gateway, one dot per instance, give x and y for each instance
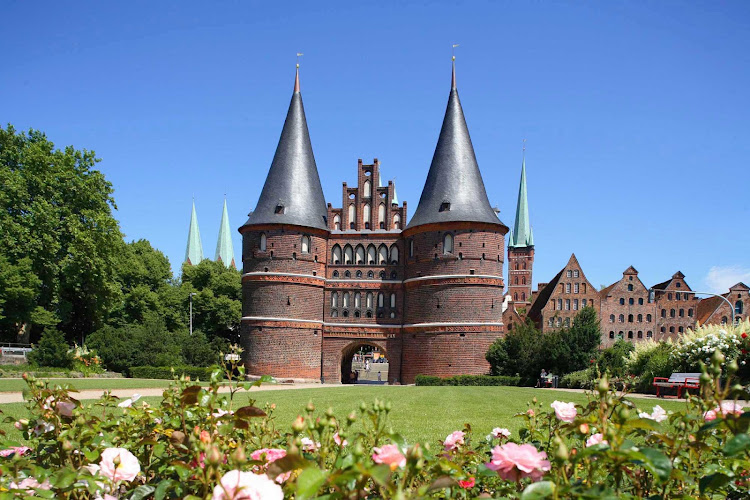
(338, 360)
(364, 362)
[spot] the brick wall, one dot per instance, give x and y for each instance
(282, 350)
(341, 349)
(520, 266)
(626, 311)
(474, 252)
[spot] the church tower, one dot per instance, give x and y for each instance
(521, 248)
(194, 250)
(454, 261)
(284, 251)
(224, 247)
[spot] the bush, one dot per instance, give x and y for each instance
(698, 345)
(195, 444)
(467, 380)
(166, 372)
(612, 359)
(582, 379)
(52, 350)
(650, 359)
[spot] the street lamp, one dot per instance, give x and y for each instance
(190, 295)
(652, 292)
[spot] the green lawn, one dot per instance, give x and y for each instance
(18, 384)
(419, 413)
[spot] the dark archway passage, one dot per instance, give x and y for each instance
(364, 363)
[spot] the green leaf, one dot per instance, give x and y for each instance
(161, 489)
(142, 492)
(657, 462)
(713, 482)
(309, 482)
(738, 443)
(538, 491)
(380, 474)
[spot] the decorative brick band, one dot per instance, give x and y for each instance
(296, 323)
(455, 279)
(300, 279)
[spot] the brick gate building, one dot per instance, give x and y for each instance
(320, 281)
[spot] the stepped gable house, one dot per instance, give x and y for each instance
(319, 282)
(714, 310)
(626, 311)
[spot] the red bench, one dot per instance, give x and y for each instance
(679, 381)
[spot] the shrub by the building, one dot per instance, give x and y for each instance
(168, 372)
(467, 380)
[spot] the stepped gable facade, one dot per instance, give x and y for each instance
(557, 302)
(626, 311)
(320, 282)
(715, 311)
(676, 307)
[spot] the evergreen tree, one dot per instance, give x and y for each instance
(583, 339)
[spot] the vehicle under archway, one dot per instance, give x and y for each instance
(364, 363)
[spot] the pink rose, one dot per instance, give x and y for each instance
(596, 439)
(565, 411)
(709, 415)
(126, 468)
(238, 485)
(514, 462)
(30, 483)
(499, 433)
(14, 450)
(725, 408)
(389, 454)
(530, 412)
(454, 440)
(271, 455)
(65, 408)
(309, 445)
(338, 441)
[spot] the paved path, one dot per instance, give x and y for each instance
(17, 397)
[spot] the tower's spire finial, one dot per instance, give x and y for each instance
(296, 76)
(523, 149)
(453, 69)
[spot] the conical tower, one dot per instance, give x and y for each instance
(521, 247)
(454, 266)
(194, 250)
(284, 248)
(224, 247)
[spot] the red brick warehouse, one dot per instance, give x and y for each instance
(319, 282)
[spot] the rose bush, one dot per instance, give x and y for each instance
(198, 444)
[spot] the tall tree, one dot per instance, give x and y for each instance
(217, 305)
(583, 339)
(56, 210)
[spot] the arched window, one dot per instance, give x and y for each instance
(682, 313)
(381, 274)
(559, 304)
(516, 280)
(263, 242)
(567, 322)
(640, 318)
(394, 254)
(648, 318)
(567, 304)
(630, 318)
(337, 222)
(397, 221)
(523, 280)
(347, 274)
(357, 314)
(663, 313)
(381, 215)
(411, 247)
(723, 320)
(336, 255)
(640, 301)
(371, 255)
(515, 296)
(611, 318)
(630, 335)
(575, 304)
(649, 334)
(346, 299)
(360, 254)
(690, 312)
(393, 300)
(448, 243)
(622, 301)
(738, 307)
(334, 314)
(368, 300)
(631, 301)
(621, 318)
(611, 334)
(630, 287)
(381, 299)
(523, 296)
(368, 188)
(366, 215)
(583, 287)
(359, 274)
(305, 244)
(671, 313)
(524, 265)
(348, 254)
(369, 314)
(352, 215)
(383, 254)
(335, 274)
(370, 274)
(335, 299)
(357, 300)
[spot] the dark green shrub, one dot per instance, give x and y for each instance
(650, 360)
(467, 380)
(612, 359)
(165, 372)
(52, 350)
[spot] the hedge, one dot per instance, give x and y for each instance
(468, 380)
(165, 372)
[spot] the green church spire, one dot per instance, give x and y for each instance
(394, 201)
(224, 248)
(194, 251)
(522, 235)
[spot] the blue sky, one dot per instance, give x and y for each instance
(635, 113)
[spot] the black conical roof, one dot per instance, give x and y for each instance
(292, 193)
(454, 190)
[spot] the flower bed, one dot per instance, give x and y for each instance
(198, 444)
